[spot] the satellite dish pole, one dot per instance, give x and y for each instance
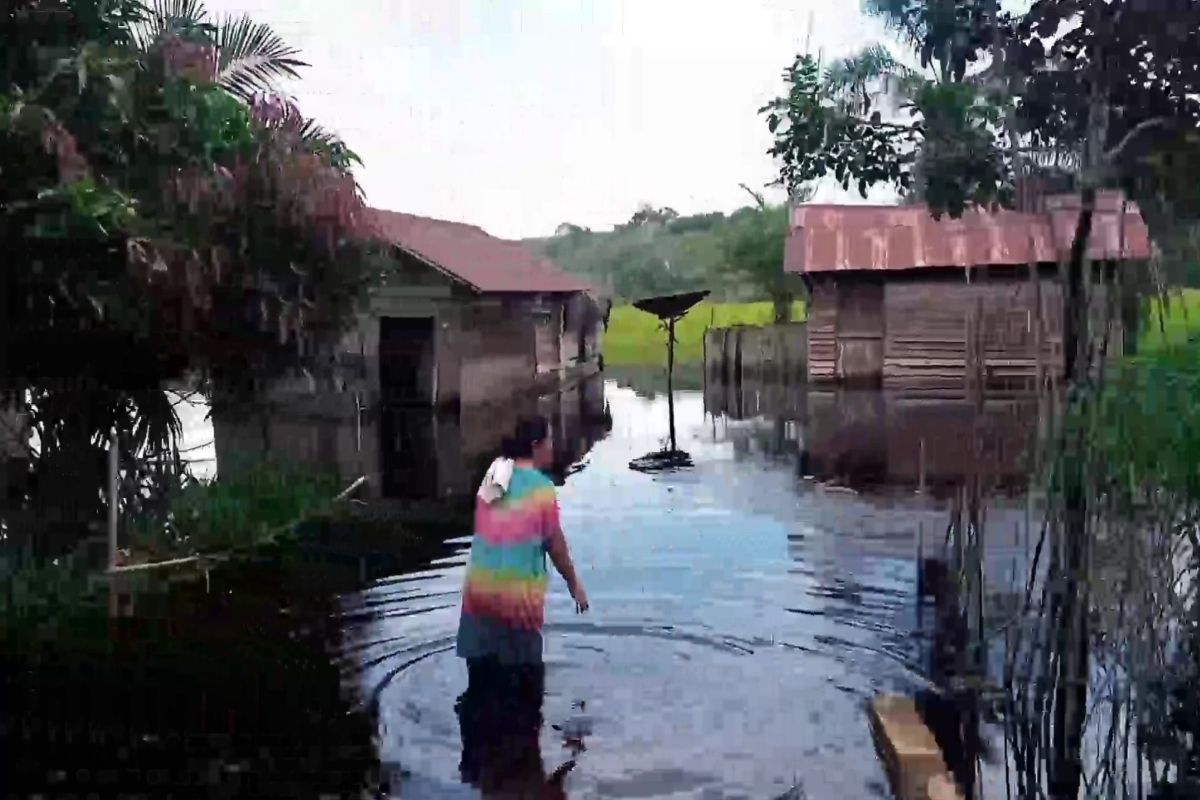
(669, 309)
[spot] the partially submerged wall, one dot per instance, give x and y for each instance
(943, 329)
(777, 352)
(494, 351)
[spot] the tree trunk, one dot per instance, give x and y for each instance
(1069, 610)
(1075, 333)
(783, 307)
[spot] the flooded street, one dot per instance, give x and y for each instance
(743, 613)
(741, 617)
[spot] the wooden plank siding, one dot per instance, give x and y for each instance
(860, 330)
(929, 326)
(915, 331)
(822, 331)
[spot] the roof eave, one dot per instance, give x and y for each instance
(454, 276)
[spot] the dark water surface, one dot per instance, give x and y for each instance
(741, 618)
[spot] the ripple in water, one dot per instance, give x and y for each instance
(740, 620)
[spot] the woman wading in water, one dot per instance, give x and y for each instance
(500, 630)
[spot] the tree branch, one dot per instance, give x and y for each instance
(1137, 130)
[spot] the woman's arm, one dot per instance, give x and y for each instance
(560, 555)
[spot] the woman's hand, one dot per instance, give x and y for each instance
(580, 596)
(556, 546)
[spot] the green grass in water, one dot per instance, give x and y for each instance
(1180, 324)
(637, 338)
(251, 506)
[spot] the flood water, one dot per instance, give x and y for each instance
(741, 618)
(743, 613)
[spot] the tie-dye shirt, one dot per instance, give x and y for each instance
(505, 587)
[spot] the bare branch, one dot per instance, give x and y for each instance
(758, 198)
(1137, 130)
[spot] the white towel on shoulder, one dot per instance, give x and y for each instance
(495, 482)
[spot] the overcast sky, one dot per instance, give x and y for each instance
(517, 115)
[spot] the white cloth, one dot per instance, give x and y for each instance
(495, 482)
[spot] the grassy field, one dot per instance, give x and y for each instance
(636, 338)
(1182, 322)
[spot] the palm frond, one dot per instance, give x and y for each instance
(898, 17)
(167, 17)
(328, 144)
(856, 81)
(251, 57)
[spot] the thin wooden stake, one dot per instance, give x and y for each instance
(114, 465)
(921, 468)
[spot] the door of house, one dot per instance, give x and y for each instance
(406, 361)
(408, 453)
(860, 331)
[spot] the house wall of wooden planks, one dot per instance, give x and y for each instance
(938, 328)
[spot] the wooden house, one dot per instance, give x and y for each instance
(465, 318)
(897, 298)
(465, 332)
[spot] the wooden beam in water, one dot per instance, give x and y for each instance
(910, 754)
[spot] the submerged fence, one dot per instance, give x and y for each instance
(777, 352)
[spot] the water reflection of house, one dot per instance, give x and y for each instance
(14, 452)
(885, 438)
(751, 397)
(465, 443)
(905, 439)
(895, 294)
(408, 453)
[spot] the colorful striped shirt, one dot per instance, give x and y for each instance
(505, 587)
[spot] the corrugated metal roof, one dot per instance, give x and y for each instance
(827, 238)
(470, 255)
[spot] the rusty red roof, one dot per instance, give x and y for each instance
(828, 238)
(472, 256)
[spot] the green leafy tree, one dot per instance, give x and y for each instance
(752, 246)
(1090, 89)
(1107, 92)
(649, 215)
(158, 225)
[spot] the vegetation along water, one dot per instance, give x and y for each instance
(243, 412)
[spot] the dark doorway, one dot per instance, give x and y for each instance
(408, 451)
(407, 445)
(406, 361)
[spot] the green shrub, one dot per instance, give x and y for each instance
(250, 505)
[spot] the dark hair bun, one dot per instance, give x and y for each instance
(528, 433)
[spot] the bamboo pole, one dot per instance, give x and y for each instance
(349, 490)
(176, 562)
(921, 468)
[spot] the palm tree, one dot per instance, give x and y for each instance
(859, 80)
(246, 58)
(249, 57)
(947, 45)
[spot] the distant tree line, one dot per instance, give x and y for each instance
(737, 256)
